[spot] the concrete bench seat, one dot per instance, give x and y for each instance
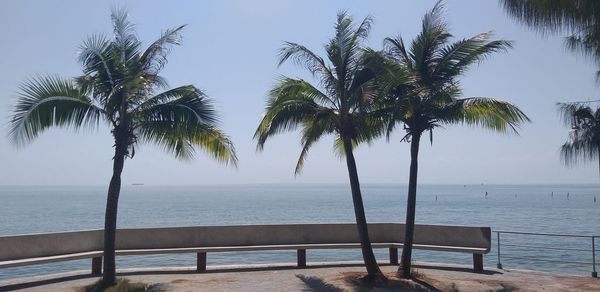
(20, 250)
(294, 247)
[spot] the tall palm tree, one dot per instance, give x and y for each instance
(339, 106)
(580, 19)
(584, 140)
(431, 97)
(120, 86)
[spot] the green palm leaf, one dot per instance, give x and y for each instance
(181, 140)
(154, 57)
(181, 118)
(46, 102)
(96, 58)
(454, 59)
(291, 103)
(493, 114)
(321, 124)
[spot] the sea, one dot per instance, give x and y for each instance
(563, 209)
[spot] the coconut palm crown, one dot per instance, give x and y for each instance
(431, 97)
(584, 140)
(339, 105)
(121, 87)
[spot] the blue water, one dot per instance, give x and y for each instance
(508, 207)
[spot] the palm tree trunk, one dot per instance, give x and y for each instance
(405, 263)
(373, 271)
(110, 217)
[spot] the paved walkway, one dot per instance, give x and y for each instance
(325, 278)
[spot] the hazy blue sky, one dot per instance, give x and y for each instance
(230, 50)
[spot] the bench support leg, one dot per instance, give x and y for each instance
(302, 258)
(201, 262)
(477, 262)
(97, 266)
(393, 255)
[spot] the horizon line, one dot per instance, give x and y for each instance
(298, 183)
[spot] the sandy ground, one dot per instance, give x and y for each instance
(318, 277)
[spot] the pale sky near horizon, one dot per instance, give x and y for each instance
(230, 51)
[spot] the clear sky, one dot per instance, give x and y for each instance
(230, 50)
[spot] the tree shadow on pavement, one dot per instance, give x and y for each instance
(317, 284)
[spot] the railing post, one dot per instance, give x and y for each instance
(499, 265)
(477, 262)
(96, 265)
(302, 258)
(594, 273)
(393, 255)
(201, 262)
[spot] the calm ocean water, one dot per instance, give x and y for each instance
(529, 208)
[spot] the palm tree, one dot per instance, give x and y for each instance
(340, 107)
(431, 98)
(120, 86)
(584, 140)
(578, 18)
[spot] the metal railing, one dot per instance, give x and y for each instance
(591, 238)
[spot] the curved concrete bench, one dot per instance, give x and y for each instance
(31, 249)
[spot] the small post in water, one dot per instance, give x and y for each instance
(594, 273)
(499, 263)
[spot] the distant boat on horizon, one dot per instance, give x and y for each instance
(137, 184)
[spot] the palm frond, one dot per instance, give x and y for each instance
(96, 59)
(181, 138)
(579, 151)
(154, 57)
(433, 36)
(312, 131)
(454, 59)
(493, 114)
(180, 119)
(186, 91)
(585, 41)
(354, 52)
(363, 29)
(483, 51)
(291, 102)
(344, 50)
(573, 113)
(302, 56)
(124, 33)
(553, 16)
(577, 18)
(48, 101)
(396, 50)
(185, 104)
